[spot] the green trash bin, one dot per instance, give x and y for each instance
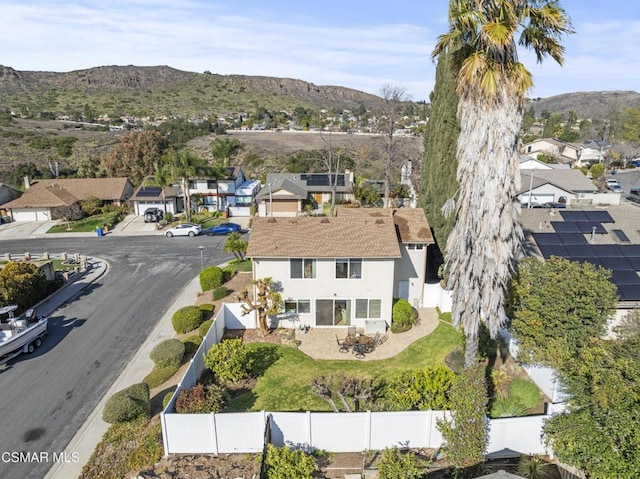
(99, 232)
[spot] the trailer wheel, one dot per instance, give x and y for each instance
(31, 348)
(38, 342)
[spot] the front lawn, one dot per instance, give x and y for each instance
(284, 374)
(86, 225)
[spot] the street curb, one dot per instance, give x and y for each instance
(84, 442)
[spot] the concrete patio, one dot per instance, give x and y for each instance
(320, 343)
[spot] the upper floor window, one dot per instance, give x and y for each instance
(348, 268)
(302, 268)
(192, 184)
(212, 184)
(416, 246)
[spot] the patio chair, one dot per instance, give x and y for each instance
(376, 339)
(343, 346)
(351, 330)
(381, 340)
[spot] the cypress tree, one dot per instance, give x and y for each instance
(438, 182)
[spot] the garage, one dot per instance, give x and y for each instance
(537, 198)
(30, 214)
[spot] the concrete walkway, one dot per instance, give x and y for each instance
(321, 343)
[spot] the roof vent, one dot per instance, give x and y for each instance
(271, 220)
(379, 221)
(324, 220)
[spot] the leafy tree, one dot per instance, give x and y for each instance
(23, 284)
(19, 171)
(466, 433)
(229, 360)
(135, 155)
(179, 131)
(569, 136)
(528, 119)
(236, 244)
(557, 306)
(181, 166)
(91, 206)
(225, 149)
(420, 389)
(438, 182)
(553, 126)
(268, 301)
(597, 433)
(483, 42)
(366, 194)
(162, 178)
(597, 170)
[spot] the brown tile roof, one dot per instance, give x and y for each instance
(321, 237)
(411, 223)
(60, 192)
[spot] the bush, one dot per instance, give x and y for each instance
(186, 319)
(207, 309)
(129, 404)
(204, 328)
(168, 353)
(192, 343)
(200, 399)
(404, 316)
(525, 392)
(91, 206)
(285, 463)
(220, 292)
(167, 218)
(229, 360)
(507, 407)
(211, 278)
(160, 375)
(394, 464)
(421, 389)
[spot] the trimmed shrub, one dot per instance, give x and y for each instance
(421, 389)
(404, 316)
(207, 309)
(394, 464)
(229, 360)
(204, 328)
(186, 319)
(168, 353)
(211, 278)
(129, 404)
(200, 399)
(525, 392)
(285, 463)
(229, 272)
(192, 343)
(160, 375)
(220, 292)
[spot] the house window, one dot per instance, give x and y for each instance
(415, 246)
(303, 268)
(243, 200)
(348, 268)
(297, 306)
(368, 308)
(212, 184)
(192, 184)
(333, 312)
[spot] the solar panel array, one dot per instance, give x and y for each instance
(315, 179)
(569, 241)
(150, 191)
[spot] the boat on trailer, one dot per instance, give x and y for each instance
(20, 335)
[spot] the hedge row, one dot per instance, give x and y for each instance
(129, 404)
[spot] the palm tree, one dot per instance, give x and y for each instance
(162, 177)
(180, 166)
(223, 149)
(483, 39)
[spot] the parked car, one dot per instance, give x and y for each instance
(635, 163)
(617, 188)
(611, 182)
(222, 229)
(184, 229)
(153, 215)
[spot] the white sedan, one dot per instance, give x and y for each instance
(184, 229)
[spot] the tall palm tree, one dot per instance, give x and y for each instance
(181, 166)
(483, 40)
(162, 176)
(223, 149)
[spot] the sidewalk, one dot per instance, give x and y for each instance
(90, 433)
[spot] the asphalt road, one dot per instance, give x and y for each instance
(45, 397)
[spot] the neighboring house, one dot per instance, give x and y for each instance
(555, 186)
(220, 194)
(42, 197)
(571, 154)
(7, 193)
(318, 185)
(345, 270)
(530, 162)
(147, 196)
(282, 197)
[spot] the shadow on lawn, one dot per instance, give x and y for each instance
(263, 358)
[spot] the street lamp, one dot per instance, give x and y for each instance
(201, 248)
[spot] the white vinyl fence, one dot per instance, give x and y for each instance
(224, 433)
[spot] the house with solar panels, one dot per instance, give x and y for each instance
(285, 194)
(607, 238)
(149, 195)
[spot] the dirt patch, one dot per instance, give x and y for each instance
(228, 466)
(235, 285)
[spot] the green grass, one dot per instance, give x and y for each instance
(86, 225)
(525, 392)
(284, 374)
(241, 266)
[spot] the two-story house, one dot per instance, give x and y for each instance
(233, 193)
(345, 270)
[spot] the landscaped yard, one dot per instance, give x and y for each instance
(86, 225)
(284, 374)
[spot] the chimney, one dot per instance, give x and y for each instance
(27, 183)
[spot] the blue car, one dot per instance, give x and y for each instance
(222, 229)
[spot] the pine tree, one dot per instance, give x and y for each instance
(438, 182)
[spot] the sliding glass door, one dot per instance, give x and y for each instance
(333, 312)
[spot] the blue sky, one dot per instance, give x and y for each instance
(353, 43)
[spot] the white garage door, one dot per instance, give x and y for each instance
(30, 215)
(539, 199)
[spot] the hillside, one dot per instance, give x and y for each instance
(594, 105)
(162, 90)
